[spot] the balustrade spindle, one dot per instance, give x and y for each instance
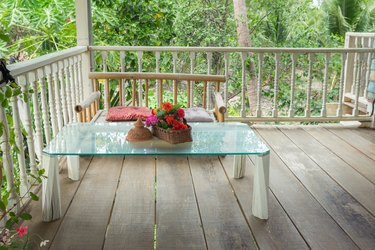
(368, 64)
(7, 161)
(276, 85)
(67, 88)
(310, 76)
(341, 88)
(123, 95)
(325, 84)
(226, 72)
(174, 59)
(80, 79)
(355, 71)
(107, 100)
(51, 100)
(37, 116)
(24, 184)
(292, 85)
(192, 83)
(209, 66)
(157, 58)
(140, 89)
(57, 96)
(357, 65)
(27, 122)
(45, 114)
(259, 85)
(243, 90)
(73, 88)
(63, 92)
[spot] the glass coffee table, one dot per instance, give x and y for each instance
(109, 139)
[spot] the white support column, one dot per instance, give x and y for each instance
(73, 167)
(51, 199)
(84, 38)
(260, 186)
(239, 162)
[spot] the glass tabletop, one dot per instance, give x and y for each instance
(110, 139)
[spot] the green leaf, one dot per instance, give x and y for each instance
(4, 103)
(2, 206)
(25, 216)
(41, 171)
(34, 197)
(9, 224)
(17, 92)
(8, 92)
(12, 214)
(3, 248)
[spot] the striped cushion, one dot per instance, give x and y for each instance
(122, 113)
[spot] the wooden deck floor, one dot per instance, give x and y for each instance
(322, 196)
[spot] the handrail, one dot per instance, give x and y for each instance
(156, 76)
(232, 49)
(26, 66)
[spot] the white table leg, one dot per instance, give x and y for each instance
(51, 200)
(239, 166)
(260, 188)
(73, 167)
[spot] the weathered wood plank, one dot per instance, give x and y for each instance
(358, 142)
(178, 224)
(68, 189)
(366, 133)
(278, 232)
(359, 161)
(357, 222)
(315, 225)
(85, 223)
(353, 182)
(224, 224)
(132, 221)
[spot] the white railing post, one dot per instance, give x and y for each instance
(192, 70)
(174, 60)
(292, 85)
(157, 70)
(106, 81)
(69, 93)
(51, 100)
(339, 112)
(140, 89)
(63, 92)
(226, 72)
(56, 87)
(323, 111)
(243, 89)
(310, 76)
(259, 85)
(43, 96)
(24, 184)
(72, 88)
(27, 122)
(209, 66)
(8, 162)
(276, 85)
(123, 82)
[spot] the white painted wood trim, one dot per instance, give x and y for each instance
(260, 188)
(73, 167)
(239, 162)
(51, 197)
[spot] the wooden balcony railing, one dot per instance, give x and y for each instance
(306, 75)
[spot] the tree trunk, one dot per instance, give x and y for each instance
(243, 37)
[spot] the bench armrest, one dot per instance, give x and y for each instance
(220, 108)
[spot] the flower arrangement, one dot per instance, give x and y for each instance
(168, 117)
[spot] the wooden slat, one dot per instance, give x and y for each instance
(223, 223)
(155, 76)
(345, 151)
(343, 208)
(204, 97)
(90, 210)
(132, 220)
(68, 190)
(363, 145)
(278, 232)
(178, 225)
(314, 224)
(366, 133)
(358, 186)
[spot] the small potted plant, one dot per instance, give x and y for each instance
(169, 124)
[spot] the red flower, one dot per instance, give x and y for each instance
(153, 111)
(22, 230)
(181, 113)
(169, 119)
(179, 125)
(167, 106)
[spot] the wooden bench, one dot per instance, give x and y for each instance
(89, 108)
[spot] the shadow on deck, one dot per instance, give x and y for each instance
(322, 196)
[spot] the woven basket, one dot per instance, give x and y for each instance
(173, 136)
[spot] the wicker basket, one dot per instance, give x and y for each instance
(173, 136)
